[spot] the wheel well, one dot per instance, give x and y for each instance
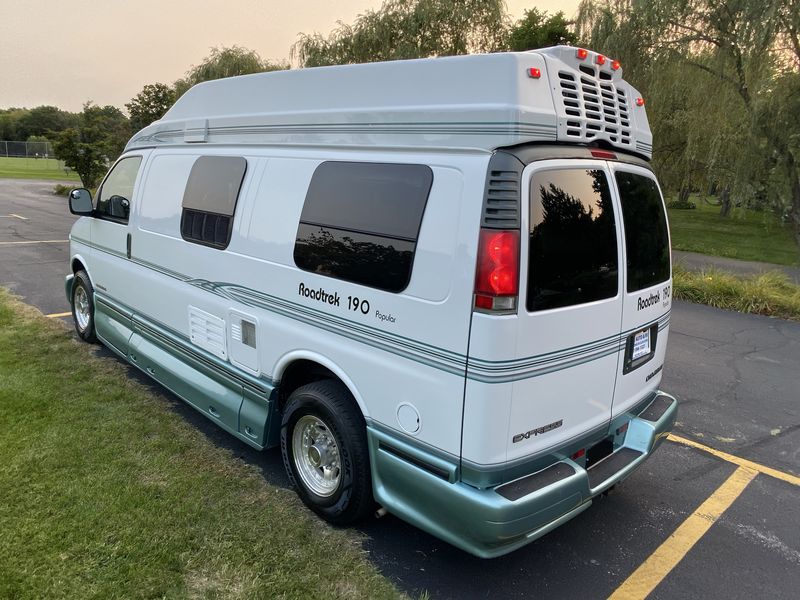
(77, 265)
(300, 373)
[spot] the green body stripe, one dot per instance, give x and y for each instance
(485, 371)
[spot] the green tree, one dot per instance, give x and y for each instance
(96, 141)
(44, 121)
(403, 29)
(742, 56)
(538, 30)
(9, 123)
(149, 105)
(226, 62)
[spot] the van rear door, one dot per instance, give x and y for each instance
(648, 285)
(570, 309)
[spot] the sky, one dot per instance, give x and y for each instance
(65, 52)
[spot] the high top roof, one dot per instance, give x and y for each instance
(475, 102)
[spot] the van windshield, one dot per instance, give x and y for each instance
(646, 238)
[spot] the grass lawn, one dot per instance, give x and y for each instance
(106, 493)
(746, 235)
(34, 168)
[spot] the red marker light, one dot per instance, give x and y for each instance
(604, 154)
(534, 73)
(615, 65)
(600, 60)
(640, 102)
(582, 54)
(579, 453)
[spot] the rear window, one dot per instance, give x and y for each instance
(360, 222)
(573, 241)
(646, 238)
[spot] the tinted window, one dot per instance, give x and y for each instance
(360, 222)
(209, 200)
(116, 193)
(573, 241)
(646, 238)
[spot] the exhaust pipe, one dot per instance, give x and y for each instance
(381, 512)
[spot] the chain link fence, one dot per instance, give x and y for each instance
(14, 149)
(37, 154)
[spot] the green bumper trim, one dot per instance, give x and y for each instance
(426, 491)
(485, 476)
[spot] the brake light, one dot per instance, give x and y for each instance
(497, 273)
(604, 154)
(581, 54)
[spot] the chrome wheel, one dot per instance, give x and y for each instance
(316, 455)
(83, 314)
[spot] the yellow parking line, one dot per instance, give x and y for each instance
(742, 462)
(58, 315)
(34, 242)
(652, 571)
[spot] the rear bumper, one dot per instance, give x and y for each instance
(424, 490)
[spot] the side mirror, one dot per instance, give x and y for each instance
(80, 202)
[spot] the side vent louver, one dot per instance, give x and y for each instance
(207, 331)
(501, 198)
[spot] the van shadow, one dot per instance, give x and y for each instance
(415, 561)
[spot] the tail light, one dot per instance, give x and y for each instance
(497, 274)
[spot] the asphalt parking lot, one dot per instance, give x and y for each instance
(714, 514)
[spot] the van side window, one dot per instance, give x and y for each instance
(646, 239)
(209, 200)
(360, 222)
(573, 240)
(116, 194)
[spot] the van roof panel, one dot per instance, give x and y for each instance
(476, 102)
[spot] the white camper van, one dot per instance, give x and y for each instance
(441, 286)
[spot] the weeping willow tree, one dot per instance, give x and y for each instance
(721, 78)
(403, 29)
(226, 62)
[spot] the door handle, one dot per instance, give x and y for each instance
(128, 246)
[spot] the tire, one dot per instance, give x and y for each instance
(83, 307)
(324, 448)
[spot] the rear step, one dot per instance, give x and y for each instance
(656, 409)
(527, 485)
(610, 465)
